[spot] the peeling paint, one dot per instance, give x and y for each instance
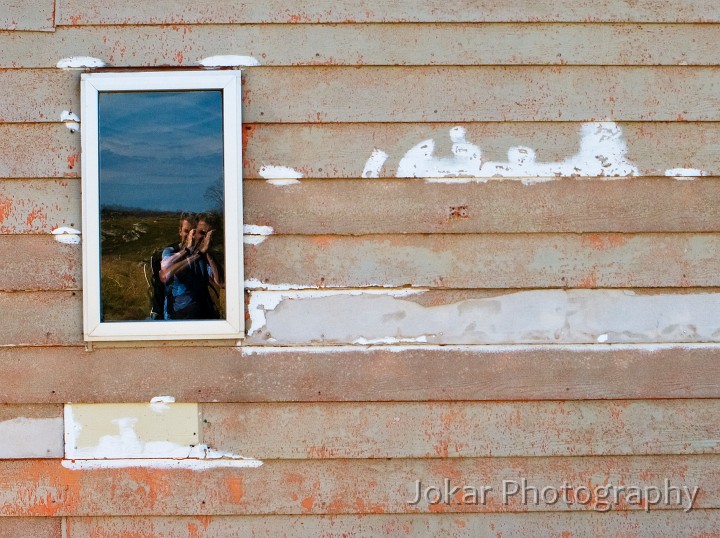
(254, 239)
(374, 164)
(159, 404)
(684, 174)
(602, 153)
(79, 62)
(526, 317)
(229, 61)
(279, 172)
(262, 302)
(67, 235)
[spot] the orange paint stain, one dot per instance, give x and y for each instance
(236, 488)
(71, 160)
(34, 215)
(307, 504)
(5, 208)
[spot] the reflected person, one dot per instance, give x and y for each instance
(188, 269)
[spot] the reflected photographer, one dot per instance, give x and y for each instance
(190, 271)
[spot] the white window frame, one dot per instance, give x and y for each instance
(233, 326)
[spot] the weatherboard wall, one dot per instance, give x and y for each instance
(481, 245)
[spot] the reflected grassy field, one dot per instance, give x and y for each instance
(128, 241)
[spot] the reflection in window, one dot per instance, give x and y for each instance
(161, 191)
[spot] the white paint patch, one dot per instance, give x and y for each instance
(374, 164)
(229, 61)
(262, 302)
(254, 229)
(685, 173)
(254, 283)
(283, 182)
(71, 121)
(526, 317)
(603, 153)
(69, 236)
(190, 464)
(79, 62)
(31, 438)
(278, 172)
(254, 239)
(159, 404)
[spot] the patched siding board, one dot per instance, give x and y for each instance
(600, 525)
(83, 12)
(33, 15)
(375, 44)
(463, 429)
(31, 431)
(339, 486)
(382, 373)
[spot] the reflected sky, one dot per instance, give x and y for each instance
(160, 151)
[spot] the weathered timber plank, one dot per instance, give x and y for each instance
(39, 151)
(41, 318)
(375, 206)
(454, 317)
(417, 316)
(42, 95)
(84, 12)
(343, 151)
(39, 206)
(34, 15)
(47, 488)
(376, 44)
(432, 94)
(382, 373)
(30, 527)
(39, 263)
(423, 94)
(31, 431)
(358, 150)
(462, 429)
(486, 261)
(599, 525)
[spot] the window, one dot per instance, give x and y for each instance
(162, 206)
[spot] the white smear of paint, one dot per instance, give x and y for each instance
(279, 172)
(374, 164)
(603, 153)
(388, 340)
(71, 120)
(254, 239)
(69, 236)
(190, 464)
(255, 284)
(685, 174)
(229, 61)
(602, 338)
(282, 182)
(78, 62)
(254, 229)
(478, 348)
(159, 404)
(264, 301)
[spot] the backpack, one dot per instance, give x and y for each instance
(156, 287)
